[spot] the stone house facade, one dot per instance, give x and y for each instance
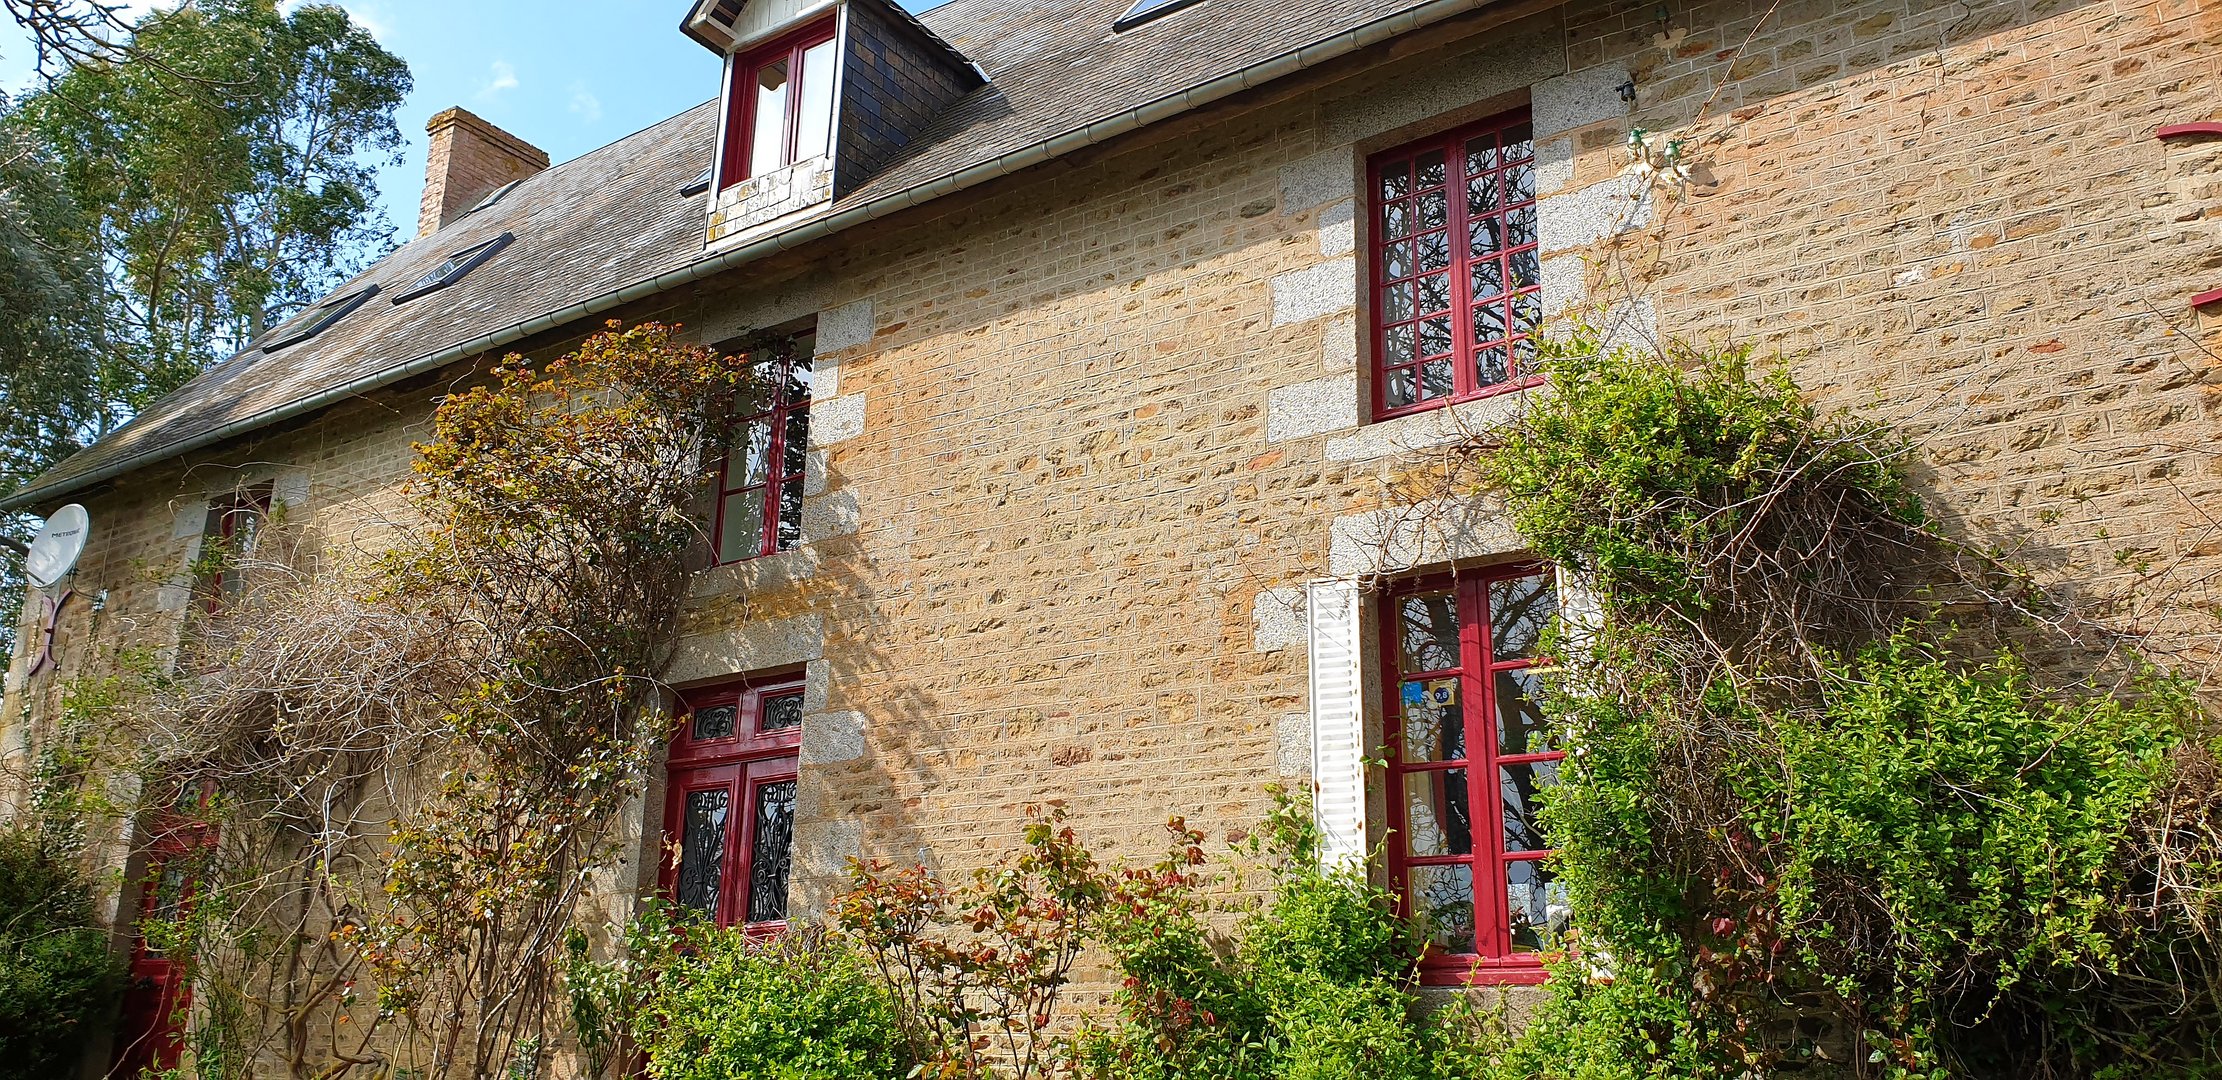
(1119, 321)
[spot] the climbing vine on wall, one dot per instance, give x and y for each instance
(1842, 790)
(413, 762)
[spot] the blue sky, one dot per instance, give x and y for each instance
(565, 77)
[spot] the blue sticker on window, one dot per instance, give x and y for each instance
(1415, 693)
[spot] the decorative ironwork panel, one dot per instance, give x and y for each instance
(702, 850)
(774, 849)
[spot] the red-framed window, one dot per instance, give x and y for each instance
(234, 526)
(158, 995)
(759, 507)
(1470, 752)
(1457, 278)
(729, 811)
(779, 109)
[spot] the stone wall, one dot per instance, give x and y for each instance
(1079, 439)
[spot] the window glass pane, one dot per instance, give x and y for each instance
(1519, 143)
(1519, 184)
(702, 849)
(1438, 813)
(769, 854)
(1481, 194)
(1402, 340)
(1488, 279)
(714, 723)
(1443, 905)
(1436, 379)
(1429, 632)
(1434, 252)
(1434, 721)
(1527, 312)
(790, 514)
(1435, 336)
(1537, 903)
(1489, 323)
(1486, 235)
(1521, 785)
(751, 458)
(768, 141)
(1489, 362)
(1522, 728)
(1520, 226)
(1431, 170)
(1396, 302)
(782, 713)
(1399, 387)
(1435, 292)
(1519, 610)
(741, 526)
(1396, 220)
(1481, 153)
(795, 452)
(1396, 261)
(1434, 210)
(1396, 180)
(814, 127)
(1527, 271)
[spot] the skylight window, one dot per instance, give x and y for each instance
(696, 186)
(1143, 11)
(452, 271)
(319, 319)
(493, 197)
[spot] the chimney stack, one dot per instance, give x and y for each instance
(468, 160)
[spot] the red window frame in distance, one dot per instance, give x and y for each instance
(759, 499)
(729, 802)
(234, 524)
(1457, 278)
(1470, 749)
(746, 99)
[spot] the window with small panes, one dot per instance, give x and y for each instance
(1472, 755)
(760, 479)
(729, 810)
(1456, 274)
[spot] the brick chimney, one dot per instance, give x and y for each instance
(469, 158)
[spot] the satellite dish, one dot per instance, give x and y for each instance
(54, 554)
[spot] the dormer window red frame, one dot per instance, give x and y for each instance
(779, 109)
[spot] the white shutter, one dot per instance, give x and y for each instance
(1338, 722)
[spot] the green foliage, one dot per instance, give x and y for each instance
(798, 1007)
(1634, 467)
(1318, 985)
(1821, 807)
(58, 981)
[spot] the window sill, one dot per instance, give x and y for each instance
(1479, 971)
(1508, 387)
(764, 572)
(1431, 425)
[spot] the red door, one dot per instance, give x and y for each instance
(159, 995)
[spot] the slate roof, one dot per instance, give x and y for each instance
(614, 218)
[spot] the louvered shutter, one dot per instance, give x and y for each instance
(1338, 722)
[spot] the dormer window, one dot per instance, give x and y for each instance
(781, 104)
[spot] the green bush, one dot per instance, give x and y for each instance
(799, 1007)
(1319, 985)
(58, 981)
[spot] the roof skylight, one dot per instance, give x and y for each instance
(452, 271)
(1142, 11)
(319, 319)
(493, 197)
(697, 186)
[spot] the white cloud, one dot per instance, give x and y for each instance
(585, 105)
(503, 78)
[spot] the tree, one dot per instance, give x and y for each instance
(229, 160)
(180, 185)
